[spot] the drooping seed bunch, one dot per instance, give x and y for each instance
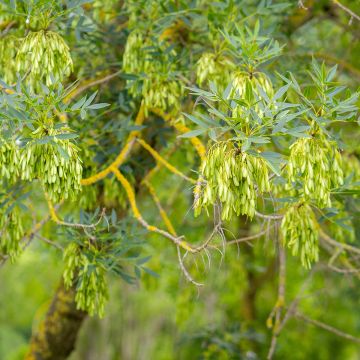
(317, 164)
(257, 79)
(160, 92)
(300, 234)
(157, 87)
(241, 80)
(9, 160)
(134, 54)
(211, 68)
(91, 285)
(234, 178)
(8, 47)
(45, 54)
(11, 231)
(59, 172)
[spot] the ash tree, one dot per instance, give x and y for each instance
(97, 97)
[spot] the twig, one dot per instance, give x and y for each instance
(301, 5)
(333, 242)
(248, 238)
(55, 218)
(88, 84)
(350, 12)
(269, 217)
(48, 241)
(280, 301)
(184, 270)
(327, 327)
(289, 313)
(164, 162)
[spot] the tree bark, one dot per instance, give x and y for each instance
(56, 336)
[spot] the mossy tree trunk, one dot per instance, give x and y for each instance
(56, 336)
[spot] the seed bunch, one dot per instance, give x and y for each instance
(241, 80)
(8, 47)
(9, 160)
(257, 79)
(134, 54)
(233, 177)
(59, 175)
(317, 164)
(299, 231)
(210, 68)
(11, 231)
(160, 92)
(46, 54)
(91, 289)
(158, 88)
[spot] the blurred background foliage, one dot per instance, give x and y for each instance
(164, 317)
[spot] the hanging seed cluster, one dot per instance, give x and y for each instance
(299, 231)
(240, 81)
(9, 160)
(91, 289)
(234, 178)
(209, 68)
(60, 176)
(12, 231)
(46, 54)
(257, 79)
(8, 47)
(134, 55)
(160, 92)
(317, 163)
(158, 89)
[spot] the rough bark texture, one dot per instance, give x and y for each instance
(55, 339)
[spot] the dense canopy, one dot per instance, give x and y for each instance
(179, 179)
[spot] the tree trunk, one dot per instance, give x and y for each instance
(56, 336)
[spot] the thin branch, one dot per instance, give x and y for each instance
(280, 301)
(327, 327)
(123, 154)
(248, 238)
(55, 218)
(269, 217)
(301, 5)
(184, 270)
(88, 84)
(346, 9)
(164, 162)
(340, 245)
(48, 241)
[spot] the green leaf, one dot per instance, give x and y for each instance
(274, 160)
(192, 133)
(98, 106)
(79, 104)
(150, 272)
(66, 136)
